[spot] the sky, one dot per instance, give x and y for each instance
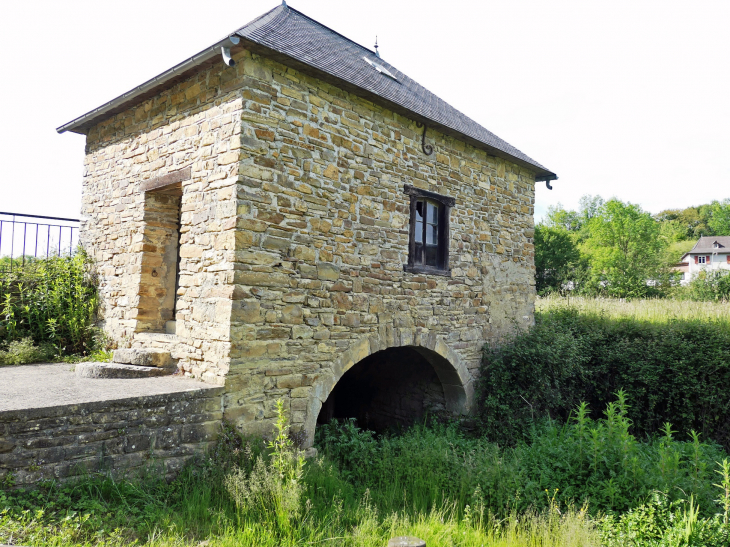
(626, 99)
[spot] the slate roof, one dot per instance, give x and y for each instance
(292, 38)
(706, 245)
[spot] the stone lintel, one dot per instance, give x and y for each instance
(166, 181)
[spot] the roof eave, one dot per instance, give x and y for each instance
(82, 124)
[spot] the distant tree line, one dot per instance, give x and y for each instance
(612, 248)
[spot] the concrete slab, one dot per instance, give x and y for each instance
(54, 384)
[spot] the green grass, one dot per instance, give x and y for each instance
(436, 483)
(659, 310)
(198, 506)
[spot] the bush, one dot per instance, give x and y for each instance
(601, 463)
(664, 523)
(21, 352)
(677, 371)
(51, 301)
(713, 285)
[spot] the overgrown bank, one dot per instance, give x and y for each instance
(673, 368)
(434, 482)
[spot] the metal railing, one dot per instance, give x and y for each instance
(24, 238)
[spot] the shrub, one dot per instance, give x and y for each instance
(585, 462)
(713, 285)
(676, 371)
(51, 301)
(601, 463)
(21, 352)
(663, 523)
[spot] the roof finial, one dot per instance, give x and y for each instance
(283, 3)
(377, 53)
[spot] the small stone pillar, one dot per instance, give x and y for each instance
(406, 541)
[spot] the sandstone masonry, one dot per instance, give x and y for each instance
(252, 220)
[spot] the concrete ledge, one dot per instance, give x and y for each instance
(55, 424)
(116, 370)
(47, 385)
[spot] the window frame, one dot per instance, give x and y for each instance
(445, 205)
(702, 260)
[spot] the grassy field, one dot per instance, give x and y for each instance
(660, 310)
(246, 494)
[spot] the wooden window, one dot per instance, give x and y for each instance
(428, 242)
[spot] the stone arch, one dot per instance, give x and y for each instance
(455, 378)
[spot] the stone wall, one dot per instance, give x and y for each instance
(324, 237)
(193, 126)
(65, 441)
(295, 233)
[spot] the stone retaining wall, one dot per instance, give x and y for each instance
(64, 441)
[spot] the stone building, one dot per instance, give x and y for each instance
(291, 217)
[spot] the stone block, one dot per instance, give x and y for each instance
(144, 358)
(117, 370)
(327, 272)
(6, 446)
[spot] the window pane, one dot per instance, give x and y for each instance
(431, 235)
(418, 257)
(431, 255)
(419, 211)
(432, 213)
(419, 231)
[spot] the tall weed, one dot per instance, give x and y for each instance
(272, 489)
(51, 301)
(597, 462)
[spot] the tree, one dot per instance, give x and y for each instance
(591, 206)
(575, 221)
(625, 250)
(559, 217)
(556, 258)
(720, 220)
(694, 220)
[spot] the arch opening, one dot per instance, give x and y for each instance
(394, 387)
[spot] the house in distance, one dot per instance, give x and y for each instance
(709, 253)
(290, 216)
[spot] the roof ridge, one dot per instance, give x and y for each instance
(258, 22)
